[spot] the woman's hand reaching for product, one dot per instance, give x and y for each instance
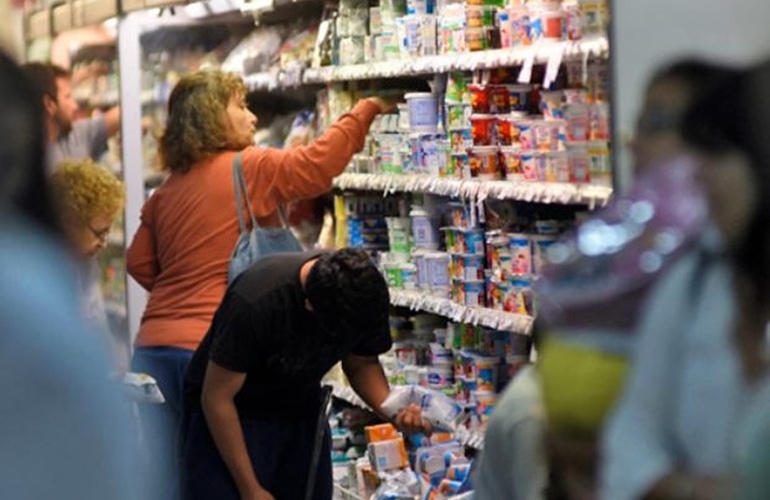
(386, 104)
(410, 421)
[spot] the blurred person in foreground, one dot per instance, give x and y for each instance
(673, 433)
(64, 433)
(89, 198)
(584, 350)
(189, 226)
(732, 127)
(68, 138)
(253, 387)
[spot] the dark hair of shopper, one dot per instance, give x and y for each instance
(348, 293)
(736, 117)
(43, 77)
(23, 183)
(699, 77)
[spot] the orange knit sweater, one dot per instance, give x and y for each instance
(189, 226)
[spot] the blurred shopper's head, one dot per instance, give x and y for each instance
(52, 83)
(23, 185)
(668, 96)
(89, 198)
(207, 114)
(730, 128)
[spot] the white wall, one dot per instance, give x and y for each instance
(649, 33)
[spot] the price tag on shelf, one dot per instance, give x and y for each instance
(553, 65)
(525, 75)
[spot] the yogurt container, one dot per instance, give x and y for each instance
(470, 267)
(472, 293)
(552, 104)
(485, 404)
(424, 229)
(484, 162)
(438, 273)
(486, 372)
(510, 159)
(521, 254)
(458, 116)
(423, 111)
(473, 243)
(484, 130)
(460, 140)
(501, 102)
(440, 375)
(529, 166)
(505, 130)
(481, 98)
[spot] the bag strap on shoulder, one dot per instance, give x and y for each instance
(241, 194)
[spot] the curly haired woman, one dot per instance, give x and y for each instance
(89, 198)
(189, 226)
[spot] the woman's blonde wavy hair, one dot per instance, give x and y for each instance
(85, 189)
(197, 125)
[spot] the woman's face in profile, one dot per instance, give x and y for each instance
(243, 123)
(88, 237)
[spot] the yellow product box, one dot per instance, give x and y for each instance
(388, 455)
(382, 432)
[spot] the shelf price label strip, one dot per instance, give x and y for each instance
(500, 320)
(444, 63)
(542, 192)
(468, 61)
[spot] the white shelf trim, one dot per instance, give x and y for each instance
(541, 192)
(500, 320)
(464, 61)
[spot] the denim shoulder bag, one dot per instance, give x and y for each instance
(257, 242)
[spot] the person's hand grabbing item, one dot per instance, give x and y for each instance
(386, 104)
(410, 421)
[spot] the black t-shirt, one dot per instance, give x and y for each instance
(263, 329)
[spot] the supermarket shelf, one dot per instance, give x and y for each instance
(267, 80)
(471, 439)
(445, 63)
(500, 320)
(277, 79)
(540, 192)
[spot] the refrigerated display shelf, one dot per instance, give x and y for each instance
(491, 318)
(469, 61)
(538, 192)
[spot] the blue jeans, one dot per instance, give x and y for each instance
(161, 423)
(280, 452)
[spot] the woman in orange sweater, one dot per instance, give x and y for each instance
(180, 252)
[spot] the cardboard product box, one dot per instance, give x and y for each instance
(382, 432)
(388, 455)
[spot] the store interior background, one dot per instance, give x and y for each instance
(732, 30)
(643, 36)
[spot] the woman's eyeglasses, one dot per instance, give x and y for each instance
(101, 234)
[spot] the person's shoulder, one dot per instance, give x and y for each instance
(271, 275)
